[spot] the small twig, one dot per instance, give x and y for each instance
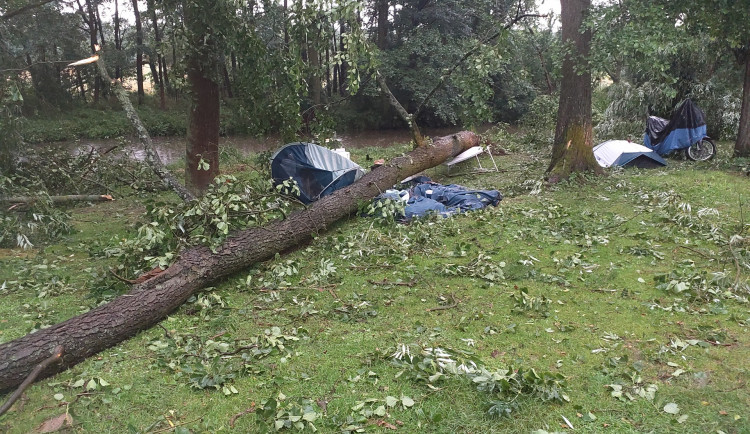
(333, 293)
(385, 282)
(446, 307)
(239, 350)
(55, 357)
(240, 414)
(171, 427)
(121, 279)
(695, 251)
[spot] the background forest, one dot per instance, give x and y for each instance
(304, 67)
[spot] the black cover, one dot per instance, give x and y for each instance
(687, 115)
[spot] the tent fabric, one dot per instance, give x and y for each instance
(686, 127)
(626, 154)
(318, 171)
(444, 200)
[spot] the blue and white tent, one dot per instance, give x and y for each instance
(318, 171)
(626, 154)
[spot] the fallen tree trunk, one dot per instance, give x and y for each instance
(151, 301)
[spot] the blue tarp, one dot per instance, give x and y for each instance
(686, 127)
(677, 139)
(430, 197)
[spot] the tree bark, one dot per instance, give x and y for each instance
(203, 118)
(742, 145)
(572, 150)
(151, 301)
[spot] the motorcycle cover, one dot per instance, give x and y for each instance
(686, 127)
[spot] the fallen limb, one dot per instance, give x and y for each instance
(152, 158)
(59, 199)
(151, 301)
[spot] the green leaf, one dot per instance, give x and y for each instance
(103, 382)
(380, 411)
(406, 401)
(79, 383)
(59, 396)
(391, 401)
(91, 385)
(671, 408)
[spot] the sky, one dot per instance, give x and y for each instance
(550, 5)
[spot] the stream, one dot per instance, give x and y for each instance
(171, 149)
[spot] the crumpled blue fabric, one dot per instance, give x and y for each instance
(445, 200)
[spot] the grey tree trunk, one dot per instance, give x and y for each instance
(151, 301)
(742, 145)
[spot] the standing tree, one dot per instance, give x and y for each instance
(138, 51)
(572, 149)
(202, 153)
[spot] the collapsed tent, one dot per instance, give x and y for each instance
(626, 154)
(318, 171)
(428, 197)
(686, 126)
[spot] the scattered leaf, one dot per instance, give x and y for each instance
(671, 408)
(55, 424)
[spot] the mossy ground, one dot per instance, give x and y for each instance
(592, 246)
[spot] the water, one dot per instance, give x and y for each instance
(171, 149)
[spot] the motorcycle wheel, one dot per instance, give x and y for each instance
(702, 150)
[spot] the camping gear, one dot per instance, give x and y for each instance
(445, 200)
(686, 129)
(469, 153)
(318, 171)
(626, 154)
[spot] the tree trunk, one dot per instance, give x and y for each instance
(90, 20)
(159, 76)
(742, 145)
(572, 150)
(138, 52)
(151, 301)
(203, 118)
(344, 67)
(118, 41)
(382, 13)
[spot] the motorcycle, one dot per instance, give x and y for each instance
(686, 129)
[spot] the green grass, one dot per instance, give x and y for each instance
(592, 246)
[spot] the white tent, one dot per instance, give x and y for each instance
(626, 154)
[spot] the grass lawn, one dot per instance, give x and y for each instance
(627, 286)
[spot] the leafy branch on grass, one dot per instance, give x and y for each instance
(503, 387)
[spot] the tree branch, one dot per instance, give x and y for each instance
(152, 158)
(23, 9)
(408, 118)
(468, 54)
